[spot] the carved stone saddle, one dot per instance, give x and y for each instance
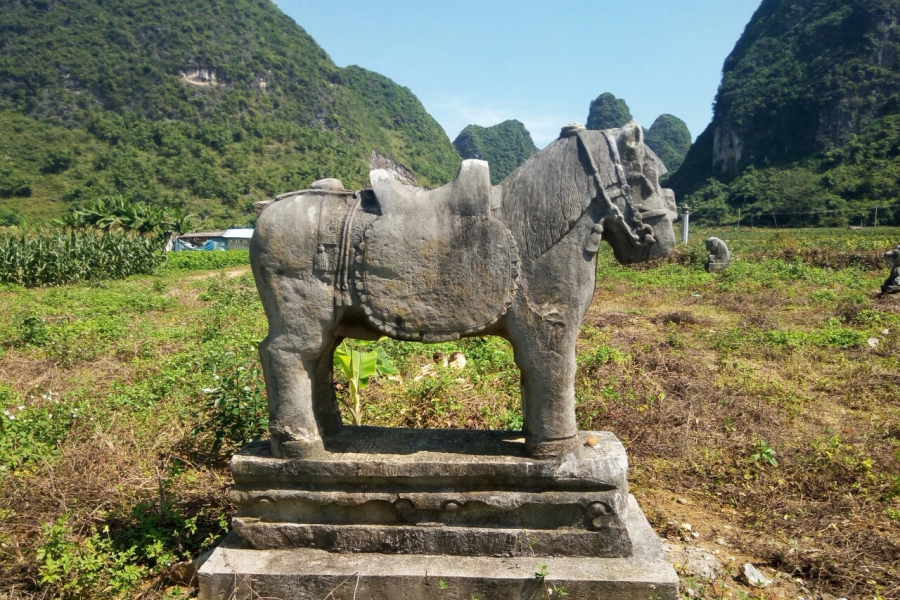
(469, 194)
(436, 264)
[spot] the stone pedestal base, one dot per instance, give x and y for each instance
(464, 493)
(236, 571)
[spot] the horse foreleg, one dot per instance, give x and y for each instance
(546, 361)
(328, 415)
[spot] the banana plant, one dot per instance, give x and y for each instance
(358, 367)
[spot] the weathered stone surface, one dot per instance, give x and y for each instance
(400, 510)
(752, 576)
(695, 561)
(603, 542)
(420, 460)
(437, 491)
(412, 283)
(892, 283)
(515, 260)
(719, 255)
(306, 573)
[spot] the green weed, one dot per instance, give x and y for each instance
(207, 261)
(764, 453)
(233, 410)
(31, 434)
(86, 567)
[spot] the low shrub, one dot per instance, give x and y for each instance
(202, 261)
(234, 410)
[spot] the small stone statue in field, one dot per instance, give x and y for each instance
(892, 283)
(719, 255)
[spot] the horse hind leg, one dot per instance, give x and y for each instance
(301, 406)
(289, 385)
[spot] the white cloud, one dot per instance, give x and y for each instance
(454, 114)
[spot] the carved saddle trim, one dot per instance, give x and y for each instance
(435, 264)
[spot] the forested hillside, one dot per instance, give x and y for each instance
(668, 136)
(805, 120)
(505, 146)
(203, 103)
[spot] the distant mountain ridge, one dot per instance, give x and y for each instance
(668, 136)
(504, 146)
(608, 112)
(208, 103)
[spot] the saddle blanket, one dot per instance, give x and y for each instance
(433, 276)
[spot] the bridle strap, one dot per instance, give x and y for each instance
(613, 212)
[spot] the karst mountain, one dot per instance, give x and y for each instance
(806, 124)
(504, 146)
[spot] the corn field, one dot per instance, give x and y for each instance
(61, 257)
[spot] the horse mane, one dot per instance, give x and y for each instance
(544, 198)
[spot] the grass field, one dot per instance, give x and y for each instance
(761, 405)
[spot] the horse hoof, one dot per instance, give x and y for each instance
(550, 448)
(295, 449)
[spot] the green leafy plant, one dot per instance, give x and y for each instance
(764, 453)
(31, 329)
(235, 410)
(358, 366)
(547, 588)
(79, 569)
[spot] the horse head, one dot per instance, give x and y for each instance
(639, 211)
(612, 175)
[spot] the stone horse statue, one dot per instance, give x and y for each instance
(517, 260)
(892, 283)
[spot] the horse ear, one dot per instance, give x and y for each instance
(544, 198)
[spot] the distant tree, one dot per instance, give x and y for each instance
(13, 183)
(10, 218)
(670, 138)
(58, 160)
(709, 204)
(608, 112)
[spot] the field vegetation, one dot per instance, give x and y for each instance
(761, 405)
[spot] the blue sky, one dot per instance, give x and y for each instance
(541, 62)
